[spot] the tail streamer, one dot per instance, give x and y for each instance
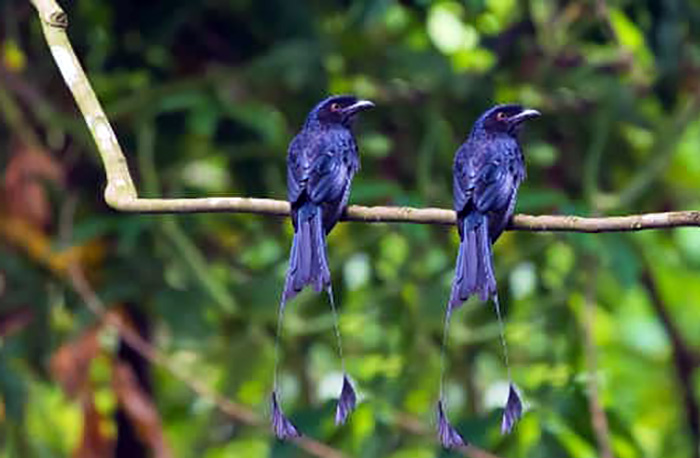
(348, 398)
(308, 265)
(282, 426)
(448, 435)
(513, 410)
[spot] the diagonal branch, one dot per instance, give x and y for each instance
(685, 358)
(236, 411)
(240, 413)
(121, 194)
(79, 283)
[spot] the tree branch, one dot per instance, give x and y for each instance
(79, 283)
(121, 194)
(240, 413)
(685, 358)
(236, 411)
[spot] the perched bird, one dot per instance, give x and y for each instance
(488, 169)
(321, 162)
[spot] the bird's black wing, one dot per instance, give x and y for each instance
(331, 173)
(464, 176)
(486, 179)
(331, 170)
(320, 168)
(298, 166)
(497, 184)
(494, 187)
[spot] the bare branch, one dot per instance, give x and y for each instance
(121, 193)
(53, 23)
(541, 223)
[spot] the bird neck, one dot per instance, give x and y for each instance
(316, 125)
(481, 134)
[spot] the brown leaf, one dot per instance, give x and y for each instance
(24, 191)
(140, 409)
(70, 364)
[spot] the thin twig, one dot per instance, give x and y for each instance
(121, 194)
(240, 413)
(541, 223)
(599, 419)
(54, 22)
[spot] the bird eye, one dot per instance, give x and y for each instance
(335, 106)
(501, 116)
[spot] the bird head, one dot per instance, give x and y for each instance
(338, 109)
(507, 118)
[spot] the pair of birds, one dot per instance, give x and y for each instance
(321, 162)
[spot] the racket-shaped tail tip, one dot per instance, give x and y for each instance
(346, 403)
(447, 434)
(512, 412)
(282, 427)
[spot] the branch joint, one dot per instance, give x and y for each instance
(58, 19)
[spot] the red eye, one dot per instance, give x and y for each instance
(335, 106)
(501, 116)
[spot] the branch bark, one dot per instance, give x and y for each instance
(121, 194)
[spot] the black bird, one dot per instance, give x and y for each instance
(488, 169)
(321, 162)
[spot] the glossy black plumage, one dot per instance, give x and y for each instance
(487, 172)
(488, 169)
(321, 163)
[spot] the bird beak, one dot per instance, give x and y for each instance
(360, 105)
(525, 115)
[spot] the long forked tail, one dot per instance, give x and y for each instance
(308, 264)
(474, 275)
(474, 270)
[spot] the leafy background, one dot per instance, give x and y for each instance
(204, 97)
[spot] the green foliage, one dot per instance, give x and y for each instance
(204, 97)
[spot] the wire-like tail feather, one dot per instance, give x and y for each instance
(308, 265)
(474, 275)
